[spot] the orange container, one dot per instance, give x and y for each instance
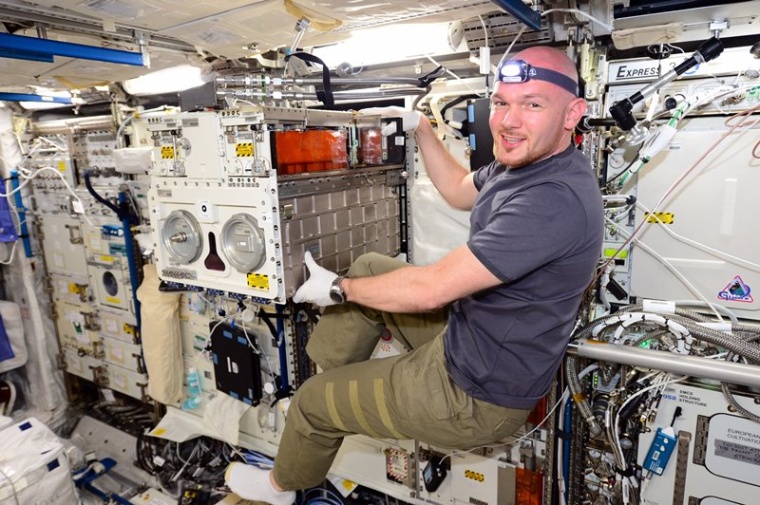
(300, 151)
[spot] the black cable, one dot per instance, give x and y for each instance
(326, 96)
(265, 317)
(427, 79)
(96, 196)
(620, 174)
(456, 102)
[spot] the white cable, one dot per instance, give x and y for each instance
(455, 76)
(485, 30)
(60, 176)
(256, 350)
(17, 226)
(714, 306)
(10, 255)
(514, 41)
(721, 254)
(661, 381)
(13, 487)
(743, 115)
(672, 269)
(56, 146)
(129, 119)
(208, 338)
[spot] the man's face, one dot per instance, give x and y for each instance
(528, 121)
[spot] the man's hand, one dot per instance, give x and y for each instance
(317, 289)
(410, 119)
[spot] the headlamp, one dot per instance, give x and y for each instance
(516, 71)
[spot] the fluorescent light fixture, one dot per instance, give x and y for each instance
(387, 43)
(46, 99)
(168, 80)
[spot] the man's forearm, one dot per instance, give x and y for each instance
(404, 290)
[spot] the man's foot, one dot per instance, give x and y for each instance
(253, 483)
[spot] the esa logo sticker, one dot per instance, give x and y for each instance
(736, 291)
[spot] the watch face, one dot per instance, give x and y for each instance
(336, 294)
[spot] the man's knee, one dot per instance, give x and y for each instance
(373, 263)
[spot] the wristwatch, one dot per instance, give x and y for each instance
(336, 292)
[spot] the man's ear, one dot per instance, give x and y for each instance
(574, 112)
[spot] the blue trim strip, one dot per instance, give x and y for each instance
(27, 55)
(34, 46)
(21, 210)
(521, 11)
(29, 97)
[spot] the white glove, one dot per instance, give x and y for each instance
(317, 289)
(410, 119)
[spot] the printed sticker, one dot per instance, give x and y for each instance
(736, 291)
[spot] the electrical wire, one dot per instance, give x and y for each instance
(208, 338)
(128, 120)
(608, 182)
(509, 49)
(662, 382)
(675, 184)
(17, 225)
(60, 176)
(485, 30)
(667, 265)
(697, 245)
(13, 487)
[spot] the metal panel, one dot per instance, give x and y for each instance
(722, 450)
(714, 208)
(62, 240)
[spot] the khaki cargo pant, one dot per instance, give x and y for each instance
(402, 397)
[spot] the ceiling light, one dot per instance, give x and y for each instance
(168, 80)
(387, 44)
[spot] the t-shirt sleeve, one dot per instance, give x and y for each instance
(482, 174)
(529, 230)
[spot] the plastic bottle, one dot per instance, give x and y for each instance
(193, 401)
(193, 382)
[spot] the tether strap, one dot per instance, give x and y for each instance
(326, 96)
(426, 79)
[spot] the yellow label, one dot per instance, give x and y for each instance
(608, 253)
(476, 476)
(73, 288)
(129, 329)
(664, 217)
(107, 259)
(258, 281)
(61, 166)
(244, 149)
(167, 152)
(158, 431)
(113, 299)
(348, 485)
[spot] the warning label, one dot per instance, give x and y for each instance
(737, 452)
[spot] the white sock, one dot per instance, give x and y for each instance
(253, 483)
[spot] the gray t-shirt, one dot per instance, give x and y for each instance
(538, 228)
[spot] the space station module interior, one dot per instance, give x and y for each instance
(150, 253)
